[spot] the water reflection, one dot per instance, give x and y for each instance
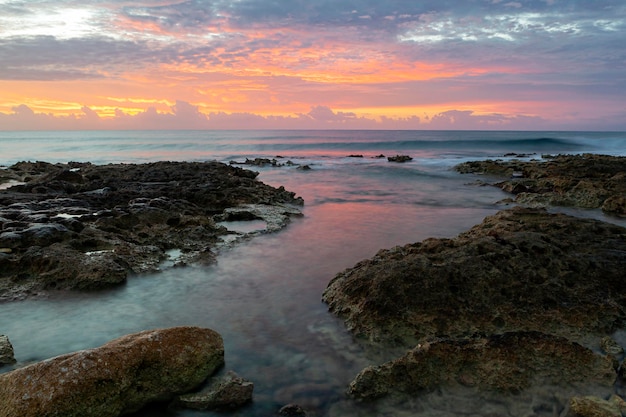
(263, 295)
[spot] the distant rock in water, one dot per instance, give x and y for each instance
(587, 181)
(117, 378)
(84, 226)
(399, 158)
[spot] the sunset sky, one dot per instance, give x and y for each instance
(360, 64)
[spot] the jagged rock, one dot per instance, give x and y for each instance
(230, 391)
(85, 226)
(7, 355)
(591, 406)
(520, 269)
(399, 158)
(506, 363)
(117, 378)
(588, 181)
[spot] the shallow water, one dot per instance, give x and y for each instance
(263, 295)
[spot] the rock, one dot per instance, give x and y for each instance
(117, 378)
(520, 269)
(399, 158)
(587, 181)
(230, 391)
(507, 363)
(610, 346)
(7, 355)
(292, 410)
(591, 406)
(129, 215)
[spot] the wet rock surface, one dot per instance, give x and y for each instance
(520, 269)
(222, 393)
(7, 355)
(586, 181)
(506, 363)
(84, 226)
(117, 378)
(497, 307)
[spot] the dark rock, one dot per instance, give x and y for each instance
(399, 158)
(292, 410)
(79, 225)
(521, 269)
(7, 355)
(228, 392)
(587, 181)
(117, 378)
(507, 363)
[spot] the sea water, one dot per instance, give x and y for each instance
(263, 295)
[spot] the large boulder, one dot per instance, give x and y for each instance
(520, 269)
(117, 378)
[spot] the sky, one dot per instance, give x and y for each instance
(313, 64)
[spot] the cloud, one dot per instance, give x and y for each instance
(239, 59)
(184, 116)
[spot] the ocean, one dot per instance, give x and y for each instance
(263, 295)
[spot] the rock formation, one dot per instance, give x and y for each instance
(84, 226)
(587, 181)
(227, 392)
(520, 269)
(495, 307)
(117, 378)
(7, 355)
(506, 363)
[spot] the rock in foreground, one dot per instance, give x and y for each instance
(117, 378)
(520, 269)
(505, 363)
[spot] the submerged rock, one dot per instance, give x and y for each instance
(506, 363)
(227, 392)
(520, 269)
(117, 378)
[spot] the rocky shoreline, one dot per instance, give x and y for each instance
(525, 299)
(80, 226)
(522, 299)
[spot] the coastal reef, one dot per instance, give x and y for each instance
(84, 226)
(585, 181)
(525, 299)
